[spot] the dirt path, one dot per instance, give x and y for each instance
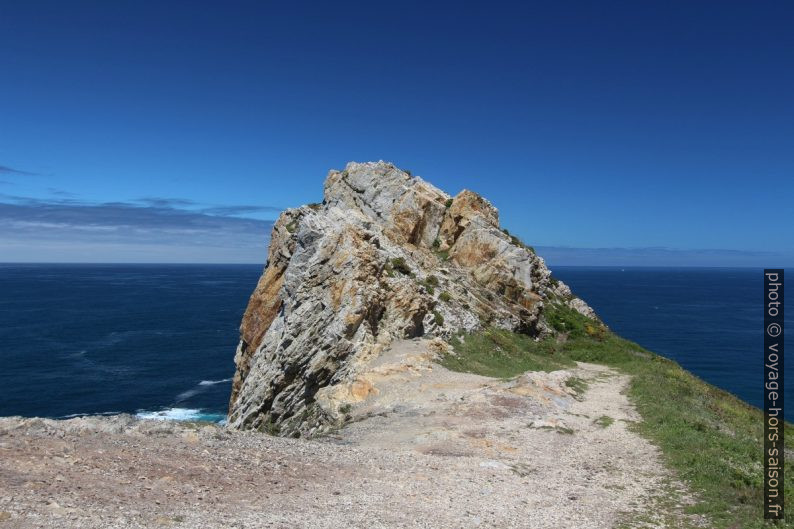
(425, 448)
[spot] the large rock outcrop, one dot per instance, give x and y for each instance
(386, 256)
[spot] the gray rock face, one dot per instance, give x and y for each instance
(386, 256)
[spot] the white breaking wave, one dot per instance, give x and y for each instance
(213, 382)
(170, 414)
(202, 386)
(181, 414)
(73, 415)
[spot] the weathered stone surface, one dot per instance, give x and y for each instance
(387, 256)
(463, 208)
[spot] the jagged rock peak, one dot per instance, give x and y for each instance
(413, 208)
(386, 256)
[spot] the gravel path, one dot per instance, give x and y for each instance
(444, 451)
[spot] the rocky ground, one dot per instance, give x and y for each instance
(422, 447)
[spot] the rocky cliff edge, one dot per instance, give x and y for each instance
(386, 256)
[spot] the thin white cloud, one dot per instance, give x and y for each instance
(69, 230)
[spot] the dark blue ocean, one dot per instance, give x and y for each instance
(159, 340)
(86, 339)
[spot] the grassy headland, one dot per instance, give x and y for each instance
(712, 439)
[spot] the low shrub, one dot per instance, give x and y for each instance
(398, 264)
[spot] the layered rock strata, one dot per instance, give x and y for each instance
(386, 256)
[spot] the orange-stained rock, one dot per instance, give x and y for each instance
(465, 206)
(386, 257)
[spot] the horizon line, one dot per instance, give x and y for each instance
(185, 263)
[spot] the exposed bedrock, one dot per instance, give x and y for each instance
(385, 257)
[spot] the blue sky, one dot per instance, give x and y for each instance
(618, 133)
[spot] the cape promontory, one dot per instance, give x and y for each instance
(439, 376)
(386, 256)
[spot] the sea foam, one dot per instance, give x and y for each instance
(213, 382)
(181, 414)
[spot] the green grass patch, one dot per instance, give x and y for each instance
(578, 385)
(502, 354)
(398, 264)
(604, 421)
(564, 430)
(430, 283)
(712, 439)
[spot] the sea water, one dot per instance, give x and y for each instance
(159, 340)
